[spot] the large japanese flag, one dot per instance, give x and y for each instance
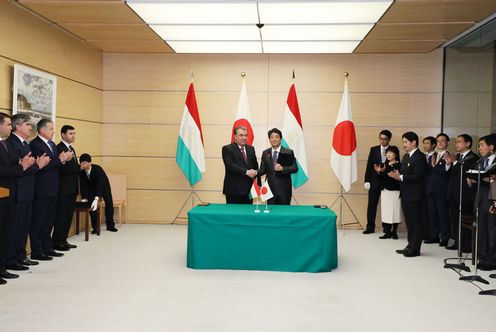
(190, 155)
(292, 132)
(343, 152)
(243, 116)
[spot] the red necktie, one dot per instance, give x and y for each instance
(244, 154)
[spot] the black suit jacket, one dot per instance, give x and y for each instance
(9, 170)
(25, 184)
(279, 182)
(438, 177)
(47, 179)
(371, 175)
(413, 170)
(236, 182)
(69, 173)
(468, 193)
(97, 185)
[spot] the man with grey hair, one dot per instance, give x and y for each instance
(23, 206)
(240, 163)
(46, 191)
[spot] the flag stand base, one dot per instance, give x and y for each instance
(191, 195)
(342, 199)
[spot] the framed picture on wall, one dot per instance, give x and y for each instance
(34, 93)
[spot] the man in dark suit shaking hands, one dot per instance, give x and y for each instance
(278, 163)
(412, 190)
(241, 167)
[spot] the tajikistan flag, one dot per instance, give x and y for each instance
(190, 154)
(292, 132)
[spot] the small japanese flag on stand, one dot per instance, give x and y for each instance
(265, 192)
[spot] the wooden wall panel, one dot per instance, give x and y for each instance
(32, 41)
(144, 99)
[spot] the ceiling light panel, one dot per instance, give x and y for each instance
(316, 32)
(207, 32)
(309, 47)
(216, 46)
(316, 12)
(196, 12)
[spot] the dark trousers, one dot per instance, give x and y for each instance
(280, 200)
(109, 212)
(414, 223)
(467, 209)
(374, 195)
(236, 199)
(438, 217)
(5, 225)
(44, 212)
(483, 240)
(63, 220)
(21, 220)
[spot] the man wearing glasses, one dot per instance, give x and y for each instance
(377, 156)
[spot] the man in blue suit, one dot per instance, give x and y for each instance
(23, 206)
(47, 188)
(10, 168)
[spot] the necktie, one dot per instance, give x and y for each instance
(486, 163)
(26, 146)
(383, 154)
(274, 158)
(244, 154)
(52, 147)
(4, 143)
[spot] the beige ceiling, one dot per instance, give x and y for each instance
(409, 26)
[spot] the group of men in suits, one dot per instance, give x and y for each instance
(435, 187)
(42, 180)
(241, 168)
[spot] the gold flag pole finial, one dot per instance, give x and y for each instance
(346, 74)
(243, 75)
(293, 75)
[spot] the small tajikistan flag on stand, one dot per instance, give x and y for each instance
(190, 155)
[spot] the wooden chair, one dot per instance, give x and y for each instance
(119, 187)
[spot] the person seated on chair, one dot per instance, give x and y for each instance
(95, 186)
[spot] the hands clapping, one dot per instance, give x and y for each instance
(42, 161)
(394, 174)
(66, 155)
(379, 169)
(27, 161)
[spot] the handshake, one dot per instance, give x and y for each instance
(251, 173)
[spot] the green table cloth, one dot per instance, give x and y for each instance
(289, 238)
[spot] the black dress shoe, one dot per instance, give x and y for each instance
(432, 241)
(17, 267)
(386, 236)
(443, 243)
(2, 282)
(41, 257)
(93, 232)
(7, 275)
(28, 262)
(402, 251)
(61, 247)
(368, 231)
(394, 236)
(71, 246)
(112, 229)
(452, 247)
(411, 253)
(492, 276)
(53, 253)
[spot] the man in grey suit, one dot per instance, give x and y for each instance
(278, 163)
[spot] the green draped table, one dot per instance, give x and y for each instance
(289, 238)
